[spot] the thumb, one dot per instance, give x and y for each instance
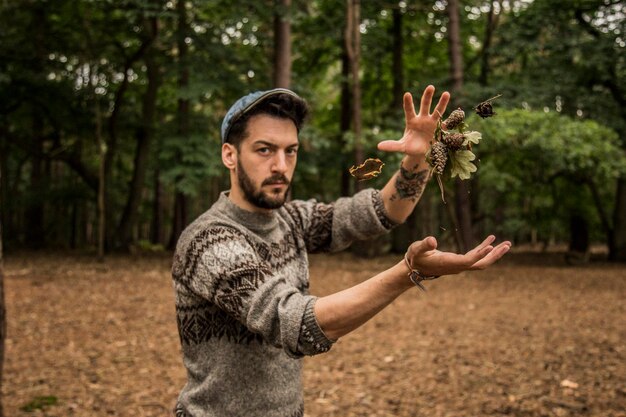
(391, 146)
(422, 246)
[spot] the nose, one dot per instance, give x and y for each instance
(280, 162)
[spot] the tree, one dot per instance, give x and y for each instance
(462, 202)
(353, 51)
(547, 41)
(282, 45)
(182, 112)
(145, 134)
(562, 171)
(3, 311)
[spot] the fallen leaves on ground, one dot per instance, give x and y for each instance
(525, 338)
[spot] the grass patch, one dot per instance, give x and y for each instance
(39, 403)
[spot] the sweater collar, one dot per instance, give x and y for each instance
(257, 222)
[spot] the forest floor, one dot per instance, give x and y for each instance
(529, 337)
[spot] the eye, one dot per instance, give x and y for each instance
(292, 151)
(263, 151)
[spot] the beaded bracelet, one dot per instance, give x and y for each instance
(416, 276)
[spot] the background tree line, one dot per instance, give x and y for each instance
(110, 112)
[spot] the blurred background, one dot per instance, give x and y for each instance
(110, 113)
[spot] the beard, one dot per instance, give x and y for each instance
(258, 197)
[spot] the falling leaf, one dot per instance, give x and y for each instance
(369, 169)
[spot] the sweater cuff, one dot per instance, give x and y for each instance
(312, 339)
(381, 213)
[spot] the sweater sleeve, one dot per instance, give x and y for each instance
(221, 265)
(333, 227)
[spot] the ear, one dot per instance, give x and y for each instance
(229, 155)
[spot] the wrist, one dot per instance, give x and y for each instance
(410, 162)
(415, 276)
(400, 277)
(414, 163)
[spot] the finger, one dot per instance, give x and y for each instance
(427, 100)
(409, 108)
(488, 241)
(474, 253)
(497, 253)
(391, 146)
(479, 252)
(422, 246)
(493, 256)
(442, 104)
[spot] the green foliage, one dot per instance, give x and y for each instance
(62, 62)
(539, 166)
(39, 403)
(567, 54)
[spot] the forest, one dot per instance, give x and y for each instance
(110, 112)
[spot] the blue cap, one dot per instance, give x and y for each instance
(245, 104)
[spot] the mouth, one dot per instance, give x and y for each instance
(276, 184)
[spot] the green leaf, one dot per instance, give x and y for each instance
(461, 165)
(473, 137)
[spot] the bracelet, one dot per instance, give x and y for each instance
(416, 276)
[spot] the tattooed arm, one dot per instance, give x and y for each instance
(405, 188)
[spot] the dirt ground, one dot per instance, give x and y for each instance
(529, 337)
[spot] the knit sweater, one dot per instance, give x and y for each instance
(244, 313)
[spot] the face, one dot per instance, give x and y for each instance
(266, 161)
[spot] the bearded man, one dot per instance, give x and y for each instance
(240, 271)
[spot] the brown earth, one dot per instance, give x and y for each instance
(529, 337)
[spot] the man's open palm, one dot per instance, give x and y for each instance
(419, 127)
(424, 256)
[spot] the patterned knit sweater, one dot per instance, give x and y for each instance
(244, 313)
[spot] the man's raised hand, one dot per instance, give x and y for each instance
(419, 127)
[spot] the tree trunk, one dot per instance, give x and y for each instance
(490, 27)
(4, 183)
(604, 216)
(112, 123)
(462, 190)
(101, 204)
(35, 207)
(367, 248)
(179, 221)
(578, 241)
(156, 230)
(353, 48)
(454, 46)
(397, 66)
(3, 311)
(145, 135)
(345, 117)
(617, 246)
(282, 45)
(406, 233)
(579, 234)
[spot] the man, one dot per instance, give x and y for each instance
(240, 271)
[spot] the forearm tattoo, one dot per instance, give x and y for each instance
(410, 184)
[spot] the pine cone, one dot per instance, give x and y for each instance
(485, 109)
(439, 157)
(453, 141)
(455, 119)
